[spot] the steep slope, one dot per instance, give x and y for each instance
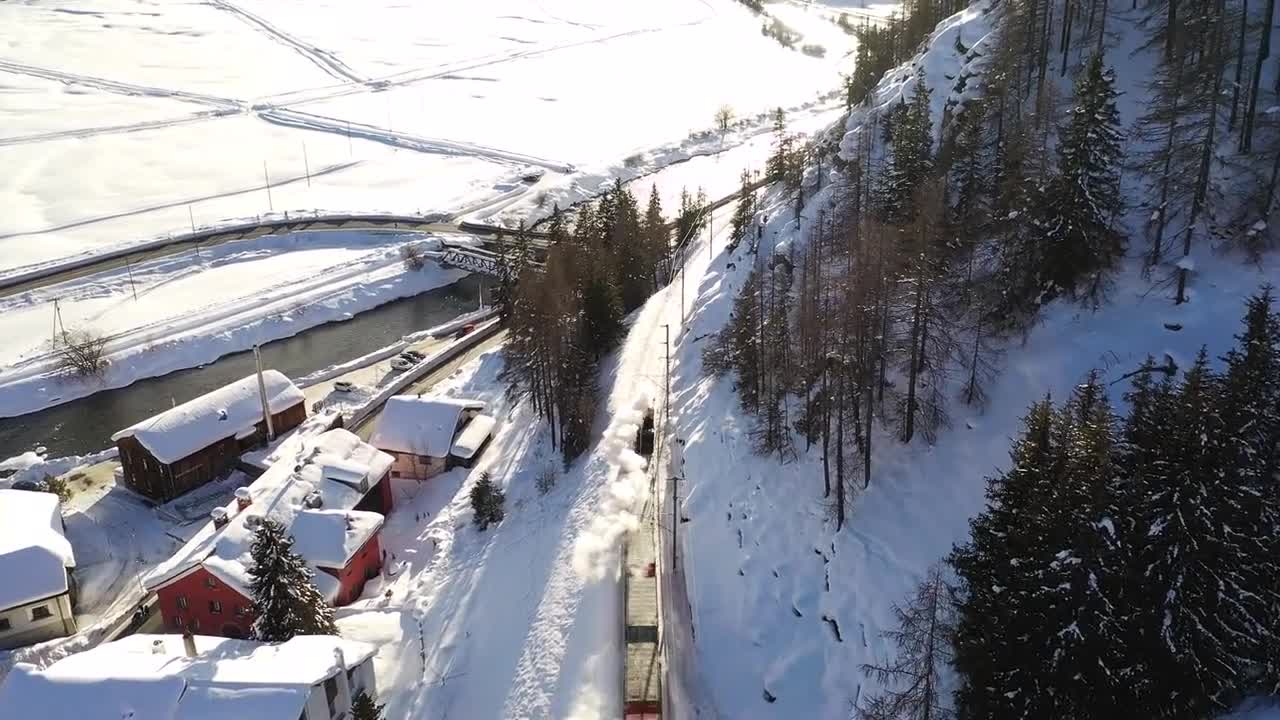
(785, 608)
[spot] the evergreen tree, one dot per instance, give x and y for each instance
(779, 165)
(364, 708)
(743, 213)
(286, 602)
(910, 134)
(487, 500)
(998, 611)
(657, 238)
(1075, 225)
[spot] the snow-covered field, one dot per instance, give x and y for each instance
(134, 119)
(190, 310)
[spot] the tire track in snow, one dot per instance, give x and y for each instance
(114, 129)
(322, 59)
(322, 123)
(120, 88)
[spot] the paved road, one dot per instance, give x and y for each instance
(365, 427)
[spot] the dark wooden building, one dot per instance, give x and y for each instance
(182, 448)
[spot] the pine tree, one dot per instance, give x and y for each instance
(657, 238)
(286, 602)
(779, 164)
(364, 708)
(743, 213)
(487, 500)
(998, 608)
(910, 134)
(923, 642)
(1082, 200)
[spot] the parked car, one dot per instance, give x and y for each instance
(413, 355)
(344, 386)
(401, 363)
(464, 331)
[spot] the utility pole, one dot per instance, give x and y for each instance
(270, 205)
(262, 394)
(306, 164)
(192, 217)
(666, 417)
(711, 233)
(349, 153)
(129, 267)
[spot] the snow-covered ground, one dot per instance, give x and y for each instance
(136, 118)
(190, 310)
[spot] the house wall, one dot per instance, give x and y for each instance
(199, 588)
(163, 482)
(365, 564)
(416, 467)
(23, 630)
(348, 685)
(379, 498)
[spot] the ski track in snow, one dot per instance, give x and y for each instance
(115, 86)
(322, 59)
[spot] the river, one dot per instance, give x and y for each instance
(85, 425)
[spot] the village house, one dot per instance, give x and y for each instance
(175, 677)
(332, 498)
(200, 440)
(428, 436)
(37, 594)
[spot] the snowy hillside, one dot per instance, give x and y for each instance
(786, 609)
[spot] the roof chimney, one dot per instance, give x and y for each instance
(243, 498)
(219, 515)
(189, 643)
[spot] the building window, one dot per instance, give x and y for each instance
(182, 602)
(195, 624)
(331, 692)
(176, 622)
(209, 582)
(351, 682)
(215, 607)
(4, 625)
(239, 611)
(40, 612)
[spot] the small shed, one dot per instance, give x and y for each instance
(420, 432)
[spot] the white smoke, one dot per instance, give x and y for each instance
(621, 498)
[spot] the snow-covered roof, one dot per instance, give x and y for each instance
(287, 493)
(34, 554)
(30, 693)
(229, 411)
(327, 538)
(473, 436)
(151, 677)
(420, 426)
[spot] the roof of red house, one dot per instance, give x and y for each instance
(420, 426)
(34, 553)
(231, 410)
(150, 676)
(312, 494)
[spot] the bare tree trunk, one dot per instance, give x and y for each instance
(1264, 51)
(1235, 85)
(1206, 156)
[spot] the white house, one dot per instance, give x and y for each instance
(175, 677)
(35, 569)
(423, 434)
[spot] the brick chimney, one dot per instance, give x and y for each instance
(243, 498)
(219, 515)
(189, 643)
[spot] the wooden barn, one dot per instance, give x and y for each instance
(200, 440)
(428, 436)
(333, 501)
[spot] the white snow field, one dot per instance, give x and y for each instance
(135, 119)
(189, 309)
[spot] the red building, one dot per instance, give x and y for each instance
(333, 502)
